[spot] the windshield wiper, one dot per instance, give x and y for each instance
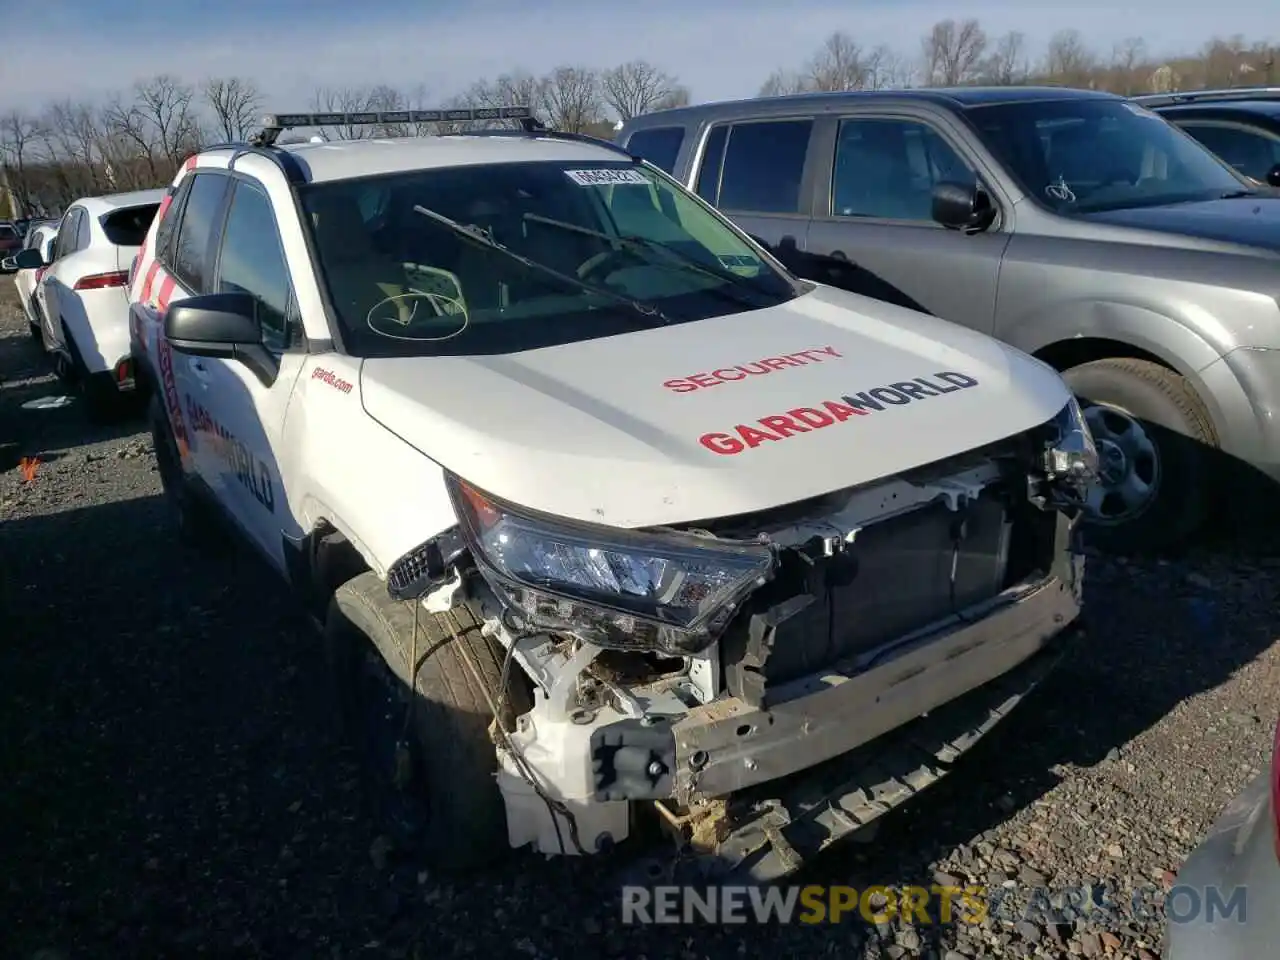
(1237, 194)
(682, 260)
(478, 237)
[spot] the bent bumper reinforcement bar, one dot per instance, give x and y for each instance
(726, 746)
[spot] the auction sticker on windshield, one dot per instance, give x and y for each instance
(605, 178)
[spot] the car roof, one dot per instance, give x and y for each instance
(347, 159)
(97, 206)
(955, 98)
(1265, 108)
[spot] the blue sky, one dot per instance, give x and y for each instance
(84, 48)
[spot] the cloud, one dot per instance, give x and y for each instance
(720, 49)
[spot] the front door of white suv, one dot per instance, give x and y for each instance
(248, 413)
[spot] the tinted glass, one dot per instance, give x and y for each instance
(888, 169)
(1251, 152)
(1079, 156)
(66, 241)
(169, 222)
(608, 246)
(659, 146)
(763, 164)
(128, 228)
(712, 161)
(7, 231)
(252, 261)
(83, 232)
(191, 252)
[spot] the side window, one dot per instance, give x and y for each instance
(712, 163)
(82, 232)
(169, 222)
(763, 164)
(887, 169)
(660, 146)
(195, 232)
(1251, 152)
(252, 261)
(65, 244)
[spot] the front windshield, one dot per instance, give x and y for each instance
(506, 257)
(1087, 155)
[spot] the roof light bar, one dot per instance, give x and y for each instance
(274, 123)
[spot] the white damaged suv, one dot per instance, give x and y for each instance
(645, 523)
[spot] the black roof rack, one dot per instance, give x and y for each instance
(263, 143)
(273, 124)
(1197, 96)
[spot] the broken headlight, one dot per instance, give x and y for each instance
(1071, 454)
(625, 589)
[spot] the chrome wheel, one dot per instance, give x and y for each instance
(1128, 465)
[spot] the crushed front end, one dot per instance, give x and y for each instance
(772, 682)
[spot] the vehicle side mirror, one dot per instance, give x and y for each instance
(962, 206)
(1273, 176)
(222, 325)
(29, 259)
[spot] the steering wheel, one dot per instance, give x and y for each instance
(399, 316)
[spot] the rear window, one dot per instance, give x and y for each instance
(128, 227)
(7, 231)
(659, 146)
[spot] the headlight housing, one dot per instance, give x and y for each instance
(625, 589)
(1072, 455)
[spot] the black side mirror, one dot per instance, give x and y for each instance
(962, 206)
(29, 259)
(223, 325)
(1273, 176)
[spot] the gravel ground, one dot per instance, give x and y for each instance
(174, 784)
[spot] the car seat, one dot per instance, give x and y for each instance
(359, 277)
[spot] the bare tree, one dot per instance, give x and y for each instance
(837, 65)
(1068, 61)
(782, 83)
(518, 89)
(883, 69)
(1128, 69)
(235, 103)
(19, 140)
(1226, 62)
(1007, 64)
(952, 52)
(76, 135)
(573, 98)
(131, 138)
(678, 96)
(167, 106)
(637, 87)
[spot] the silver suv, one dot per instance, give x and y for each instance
(1075, 225)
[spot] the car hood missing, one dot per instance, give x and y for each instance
(718, 417)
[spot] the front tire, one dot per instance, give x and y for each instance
(431, 781)
(1154, 435)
